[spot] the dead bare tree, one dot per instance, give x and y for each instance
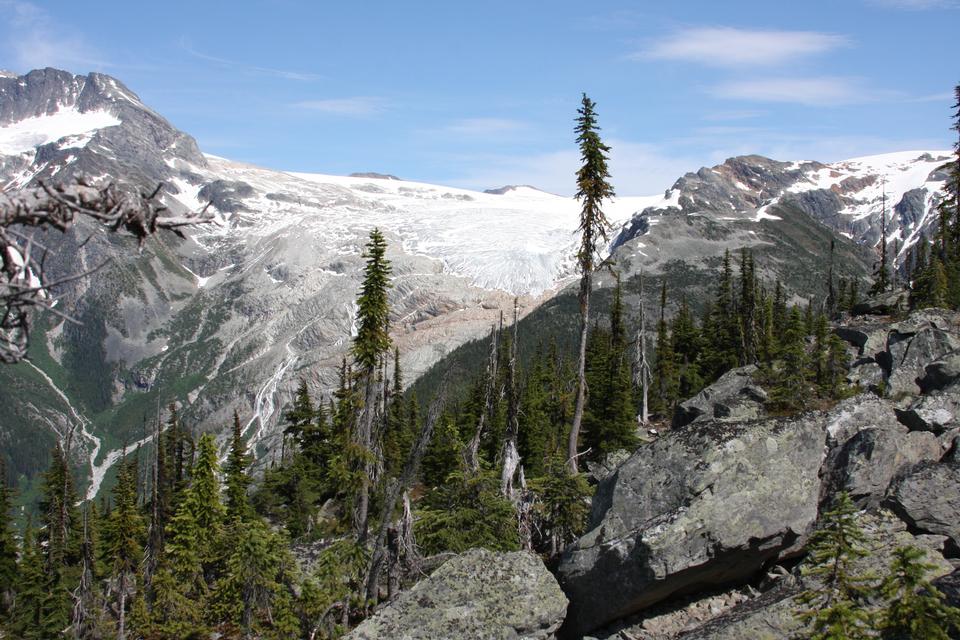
(398, 487)
(641, 368)
(472, 453)
(24, 285)
(509, 454)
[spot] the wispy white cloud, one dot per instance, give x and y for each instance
(32, 39)
(732, 47)
(285, 74)
(736, 114)
(357, 106)
(824, 91)
(483, 126)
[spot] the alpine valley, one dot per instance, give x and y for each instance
(233, 316)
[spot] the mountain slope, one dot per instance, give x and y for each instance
(231, 317)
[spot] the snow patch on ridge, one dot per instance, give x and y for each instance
(25, 135)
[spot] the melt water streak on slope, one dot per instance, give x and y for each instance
(264, 407)
(96, 473)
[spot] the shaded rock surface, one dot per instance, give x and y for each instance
(735, 396)
(708, 504)
(927, 498)
(868, 461)
(892, 358)
(479, 594)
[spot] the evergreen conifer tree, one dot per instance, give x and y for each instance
(592, 189)
(369, 346)
(915, 608)
(123, 540)
(236, 479)
(9, 577)
(834, 602)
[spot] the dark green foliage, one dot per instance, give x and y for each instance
(467, 511)
(609, 420)
(563, 505)
(791, 388)
(443, 454)
(8, 548)
(834, 602)
(236, 479)
(915, 608)
(373, 339)
(665, 382)
(124, 535)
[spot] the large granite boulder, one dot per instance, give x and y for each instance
(941, 374)
(937, 413)
(705, 505)
(866, 463)
(891, 357)
(734, 396)
(927, 497)
(479, 594)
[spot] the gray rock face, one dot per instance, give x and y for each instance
(936, 413)
(733, 397)
(704, 505)
(899, 353)
(927, 498)
(773, 615)
(479, 594)
(941, 374)
(867, 462)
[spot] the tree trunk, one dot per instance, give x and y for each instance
(364, 437)
(509, 455)
(473, 448)
(398, 487)
(585, 285)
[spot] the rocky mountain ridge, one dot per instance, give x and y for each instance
(231, 317)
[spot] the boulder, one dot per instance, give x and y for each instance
(936, 413)
(855, 414)
(866, 463)
(949, 586)
(941, 374)
(734, 396)
(773, 615)
(479, 594)
(927, 498)
(882, 304)
(705, 505)
(900, 352)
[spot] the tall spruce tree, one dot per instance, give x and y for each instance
(915, 608)
(123, 540)
(8, 547)
(236, 479)
(369, 346)
(833, 604)
(592, 189)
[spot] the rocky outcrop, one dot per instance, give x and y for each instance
(734, 397)
(479, 594)
(927, 498)
(704, 505)
(892, 358)
(773, 614)
(865, 464)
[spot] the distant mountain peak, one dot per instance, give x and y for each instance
(374, 175)
(511, 187)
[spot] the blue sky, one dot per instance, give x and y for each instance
(484, 94)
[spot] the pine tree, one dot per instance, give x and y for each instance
(592, 189)
(9, 577)
(915, 608)
(443, 453)
(35, 616)
(123, 540)
(369, 346)
(60, 538)
(563, 505)
(664, 368)
(686, 351)
(236, 479)
(398, 435)
(881, 276)
(791, 389)
(834, 602)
